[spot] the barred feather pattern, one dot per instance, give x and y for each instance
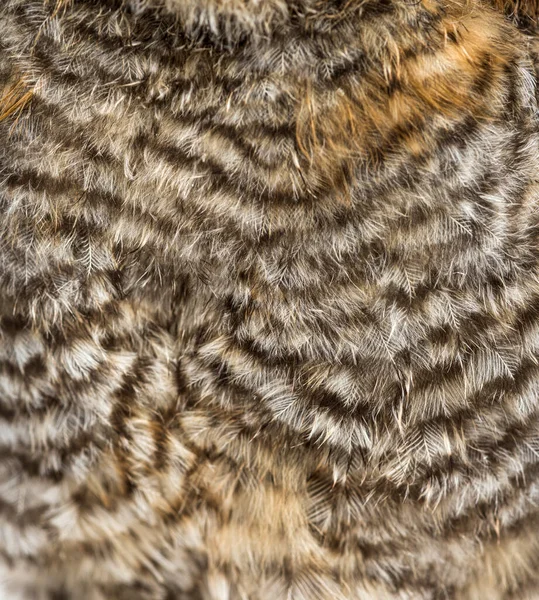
(269, 300)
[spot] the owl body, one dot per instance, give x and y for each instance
(269, 300)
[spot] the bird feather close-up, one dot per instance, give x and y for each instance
(269, 300)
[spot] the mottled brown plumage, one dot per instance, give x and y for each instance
(269, 300)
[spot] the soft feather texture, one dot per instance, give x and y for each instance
(269, 289)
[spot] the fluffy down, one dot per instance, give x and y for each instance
(269, 300)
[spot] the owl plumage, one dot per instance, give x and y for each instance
(269, 300)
